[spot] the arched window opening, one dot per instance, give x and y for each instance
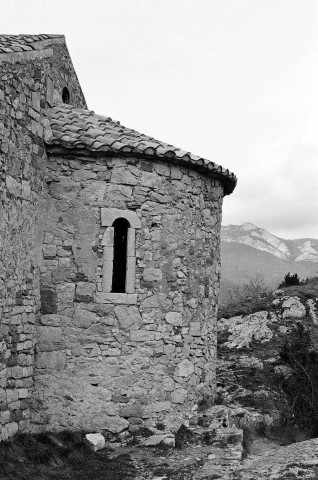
(65, 95)
(121, 226)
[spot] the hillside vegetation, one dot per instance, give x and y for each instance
(268, 355)
(248, 249)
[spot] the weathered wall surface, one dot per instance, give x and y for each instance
(25, 90)
(111, 365)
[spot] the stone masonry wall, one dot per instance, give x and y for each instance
(27, 83)
(110, 364)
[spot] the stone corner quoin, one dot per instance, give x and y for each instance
(88, 341)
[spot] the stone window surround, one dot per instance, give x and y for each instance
(108, 216)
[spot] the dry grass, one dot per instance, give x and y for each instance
(60, 456)
(247, 304)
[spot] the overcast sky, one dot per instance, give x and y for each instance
(235, 81)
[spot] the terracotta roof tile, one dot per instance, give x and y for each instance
(81, 130)
(21, 43)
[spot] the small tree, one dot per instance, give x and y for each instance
(255, 287)
(290, 280)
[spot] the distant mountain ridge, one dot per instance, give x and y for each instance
(248, 249)
(300, 250)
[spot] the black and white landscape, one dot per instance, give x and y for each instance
(247, 250)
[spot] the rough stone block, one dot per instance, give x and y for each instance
(85, 291)
(195, 329)
(108, 257)
(23, 393)
(131, 242)
(135, 420)
(51, 360)
(152, 274)
(48, 300)
(84, 318)
(184, 369)
(48, 336)
(150, 302)
(150, 179)
(49, 91)
(116, 298)
(65, 293)
(66, 189)
(12, 395)
(49, 251)
(120, 399)
(134, 410)
(12, 428)
(36, 101)
(179, 395)
(156, 407)
(114, 424)
(51, 320)
(128, 317)
(4, 417)
(108, 237)
(131, 274)
(141, 336)
(109, 215)
(174, 318)
(123, 176)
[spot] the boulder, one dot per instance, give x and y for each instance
(167, 439)
(243, 330)
(95, 441)
(293, 308)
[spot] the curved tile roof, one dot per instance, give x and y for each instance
(23, 43)
(82, 130)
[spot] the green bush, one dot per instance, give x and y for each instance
(301, 386)
(291, 280)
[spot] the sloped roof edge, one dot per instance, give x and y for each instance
(27, 43)
(82, 131)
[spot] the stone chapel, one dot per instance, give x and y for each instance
(109, 259)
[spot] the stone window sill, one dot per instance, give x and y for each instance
(117, 298)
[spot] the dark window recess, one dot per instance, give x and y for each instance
(121, 226)
(66, 95)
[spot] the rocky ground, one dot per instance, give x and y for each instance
(251, 366)
(193, 463)
(251, 434)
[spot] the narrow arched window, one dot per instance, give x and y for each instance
(119, 252)
(121, 226)
(65, 95)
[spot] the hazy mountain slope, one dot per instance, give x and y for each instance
(247, 249)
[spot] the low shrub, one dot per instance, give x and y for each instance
(301, 386)
(291, 280)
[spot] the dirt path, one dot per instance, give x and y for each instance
(268, 461)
